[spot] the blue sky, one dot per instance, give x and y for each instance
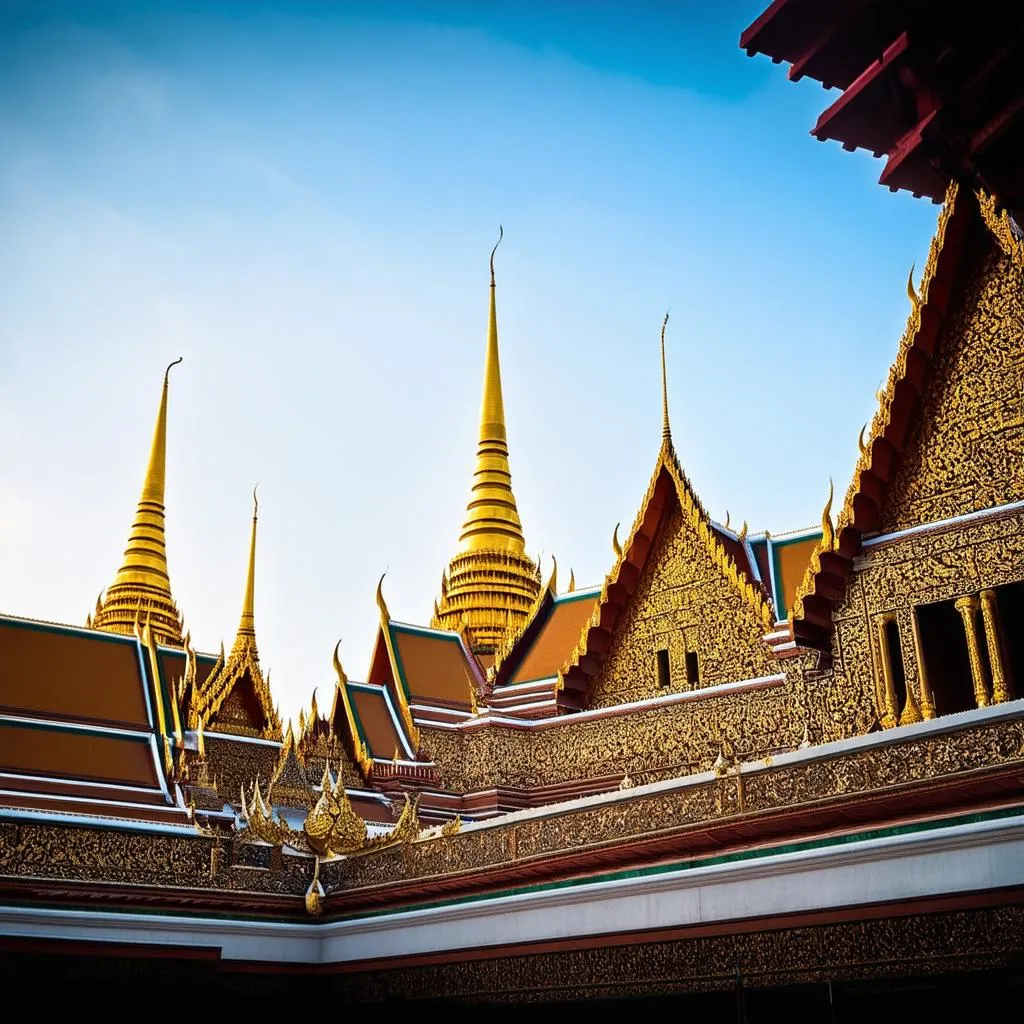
(300, 199)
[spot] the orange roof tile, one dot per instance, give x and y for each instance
(557, 638)
(434, 666)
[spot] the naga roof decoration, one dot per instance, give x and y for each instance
(667, 481)
(491, 582)
(824, 581)
(348, 728)
(238, 681)
(385, 669)
(142, 584)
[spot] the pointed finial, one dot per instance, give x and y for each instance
(666, 430)
(860, 440)
(339, 671)
(501, 235)
(170, 366)
(553, 582)
(742, 535)
(616, 546)
(572, 581)
(915, 299)
(828, 535)
(247, 623)
(727, 520)
(381, 604)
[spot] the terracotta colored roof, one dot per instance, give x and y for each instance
(86, 720)
(789, 560)
(824, 582)
(434, 666)
(374, 721)
(668, 487)
(71, 675)
(563, 621)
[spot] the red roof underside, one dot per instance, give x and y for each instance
(935, 88)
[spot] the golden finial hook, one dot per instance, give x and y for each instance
(860, 440)
(255, 502)
(501, 235)
(616, 545)
(915, 299)
(168, 370)
(339, 671)
(828, 535)
(381, 604)
(666, 432)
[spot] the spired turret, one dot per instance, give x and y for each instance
(142, 588)
(491, 582)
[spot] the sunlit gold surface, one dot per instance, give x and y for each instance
(491, 582)
(142, 583)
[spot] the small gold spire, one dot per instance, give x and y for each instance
(742, 535)
(492, 520)
(728, 521)
(143, 576)
(572, 581)
(666, 429)
(860, 440)
(616, 545)
(381, 603)
(247, 624)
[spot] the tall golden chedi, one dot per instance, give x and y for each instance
(142, 588)
(491, 584)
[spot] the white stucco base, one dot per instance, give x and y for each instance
(963, 858)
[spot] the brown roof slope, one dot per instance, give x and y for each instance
(434, 666)
(563, 624)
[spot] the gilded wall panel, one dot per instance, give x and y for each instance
(966, 450)
(682, 597)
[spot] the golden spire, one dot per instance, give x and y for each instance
(491, 582)
(666, 430)
(492, 520)
(142, 581)
(247, 625)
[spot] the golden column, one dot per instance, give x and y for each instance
(891, 715)
(968, 607)
(927, 697)
(990, 616)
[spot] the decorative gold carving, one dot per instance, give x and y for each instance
(142, 585)
(1002, 228)
(360, 751)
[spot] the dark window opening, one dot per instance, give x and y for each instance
(692, 668)
(1010, 604)
(899, 674)
(664, 673)
(946, 661)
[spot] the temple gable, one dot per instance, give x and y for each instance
(686, 626)
(965, 448)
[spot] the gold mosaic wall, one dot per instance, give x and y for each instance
(967, 452)
(964, 453)
(682, 603)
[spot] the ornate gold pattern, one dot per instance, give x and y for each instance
(142, 585)
(491, 583)
(1002, 228)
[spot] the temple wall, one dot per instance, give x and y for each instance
(964, 454)
(682, 603)
(649, 744)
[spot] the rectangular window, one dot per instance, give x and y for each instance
(664, 673)
(692, 669)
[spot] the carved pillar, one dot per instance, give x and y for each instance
(968, 607)
(993, 637)
(891, 711)
(927, 697)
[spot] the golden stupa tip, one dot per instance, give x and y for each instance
(501, 235)
(666, 430)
